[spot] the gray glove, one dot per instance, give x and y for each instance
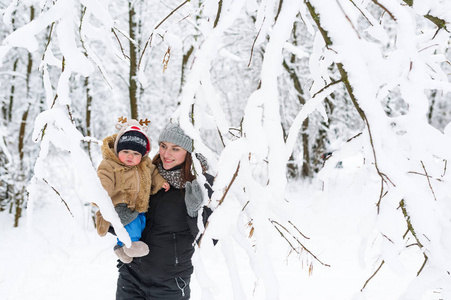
(193, 198)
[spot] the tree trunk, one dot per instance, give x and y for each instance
(305, 169)
(7, 109)
(20, 194)
(133, 87)
(88, 115)
(186, 57)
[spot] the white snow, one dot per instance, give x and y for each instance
(317, 239)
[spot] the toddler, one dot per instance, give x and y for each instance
(129, 177)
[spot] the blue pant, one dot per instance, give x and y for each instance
(135, 228)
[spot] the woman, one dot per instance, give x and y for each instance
(171, 227)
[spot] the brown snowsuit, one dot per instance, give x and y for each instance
(130, 185)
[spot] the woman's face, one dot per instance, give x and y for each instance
(171, 155)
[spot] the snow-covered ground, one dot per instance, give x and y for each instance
(57, 257)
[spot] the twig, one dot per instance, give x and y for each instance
(429, 182)
(424, 263)
(70, 114)
(362, 12)
(381, 195)
(86, 49)
(387, 238)
(385, 9)
(149, 40)
(253, 44)
(327, 86)
(297, 240)
(347, 18)
(48, 41)
(412, 231)
(120, 44)
(220, 201)
(305, 237)
(220, 136)
(230, 184)
(374, 274)
(429, 176)
(218, 14)
(281, 234)
(59, 195)
(357, 135)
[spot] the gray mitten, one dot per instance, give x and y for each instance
(193, 198)
(126, 214)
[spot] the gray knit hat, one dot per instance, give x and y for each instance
(172, 133)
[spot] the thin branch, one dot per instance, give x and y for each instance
(59, 195)
(48, 41)
(412, 231)
(120, 44)
(220, 202)
(387, 238)
(405, 234)
(347, 18)
(326, 87)
(255, 40)
(230, 184)
(422, 266)
(440, 23)
(297, 240)
(385, 9)
(218, 14)
(429, 182)
(344, 77)
(282, 235)
(429, 176)
(305, 237)
(410, 228)
(381, 195)
(149, 40)
(374, 274)
(220, 136)
(363, 14)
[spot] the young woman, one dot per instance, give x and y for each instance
(171, 227)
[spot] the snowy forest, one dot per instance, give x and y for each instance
(325, 124)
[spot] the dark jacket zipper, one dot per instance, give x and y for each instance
(175, 250)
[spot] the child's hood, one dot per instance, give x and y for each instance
(108, 151)
(131, 125)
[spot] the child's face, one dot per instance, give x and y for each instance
(129, 158)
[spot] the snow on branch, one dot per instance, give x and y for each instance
(62, 133)
(367, 68)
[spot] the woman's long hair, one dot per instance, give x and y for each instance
(186, 167)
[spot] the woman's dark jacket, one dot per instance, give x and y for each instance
(170, 235)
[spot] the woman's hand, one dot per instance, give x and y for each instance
(193, 198)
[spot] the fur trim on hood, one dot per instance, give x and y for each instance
(145, 169)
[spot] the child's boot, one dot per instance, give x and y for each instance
(119, 251)
(137, 249)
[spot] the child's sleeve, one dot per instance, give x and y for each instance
(157, 180)
(106, 175)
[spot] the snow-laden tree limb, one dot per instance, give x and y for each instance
(62, 134)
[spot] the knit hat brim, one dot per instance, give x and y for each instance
(133, 140)
(172, 133)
